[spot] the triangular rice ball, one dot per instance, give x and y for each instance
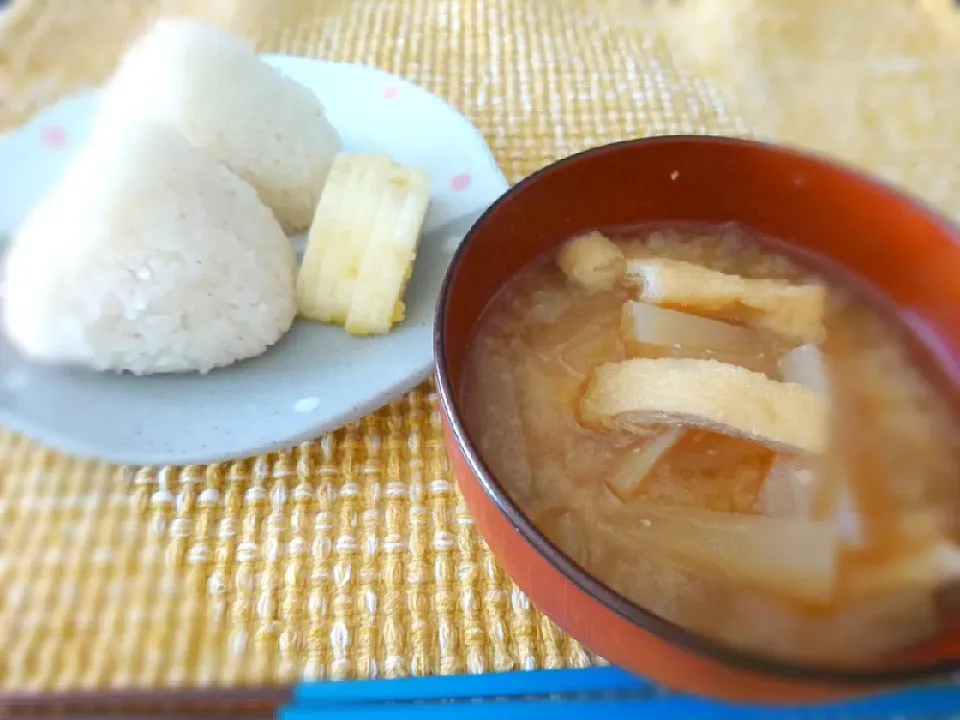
(148, 256)
(222, 97)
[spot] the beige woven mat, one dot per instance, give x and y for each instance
(353, 555)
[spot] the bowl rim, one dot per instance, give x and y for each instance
(580, 577)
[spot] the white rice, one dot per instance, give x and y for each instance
(148, 256)
(215, 90)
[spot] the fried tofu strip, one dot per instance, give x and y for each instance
(716, 396)
(792, 311)
(592, 262)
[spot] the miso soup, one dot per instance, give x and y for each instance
(725, 438)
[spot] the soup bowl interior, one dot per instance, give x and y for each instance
(853, 226)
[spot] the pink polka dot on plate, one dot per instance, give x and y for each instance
(54, 136)
(460, 182)
(389, 92)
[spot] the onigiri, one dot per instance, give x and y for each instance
(222, 97)
(148, 256)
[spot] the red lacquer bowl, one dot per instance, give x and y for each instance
(854, 223)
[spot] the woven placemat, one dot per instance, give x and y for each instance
(353, 555)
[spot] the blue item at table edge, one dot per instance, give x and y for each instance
(561, 694)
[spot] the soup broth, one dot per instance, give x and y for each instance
(724, 438)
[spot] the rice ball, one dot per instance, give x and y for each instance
(214, 89)
(148, 256)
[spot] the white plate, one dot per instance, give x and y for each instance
(317, 378)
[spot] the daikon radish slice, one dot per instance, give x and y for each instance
(789, 488)
(792, 558)
(792, 484)
(652, 331)
(883, 624)
(933, 567)
(850, 632)
(644, 323)
(639, 462)
(845, 512)
(805, 365)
